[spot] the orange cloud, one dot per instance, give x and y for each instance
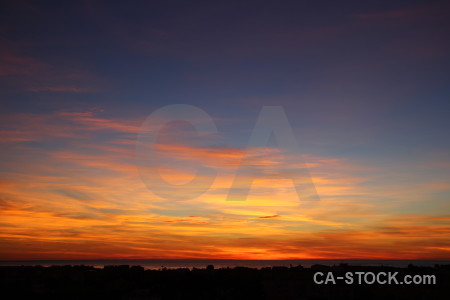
(86, 200)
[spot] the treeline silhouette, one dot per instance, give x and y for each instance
(134, 282)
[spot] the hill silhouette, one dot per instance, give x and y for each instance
(134, 282)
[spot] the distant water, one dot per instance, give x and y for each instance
(155, 264)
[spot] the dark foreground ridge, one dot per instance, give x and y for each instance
(125, 282)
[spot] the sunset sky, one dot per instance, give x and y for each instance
(364, 85)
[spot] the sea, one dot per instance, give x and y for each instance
(157, 264)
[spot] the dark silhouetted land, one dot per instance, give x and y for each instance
(134, 282)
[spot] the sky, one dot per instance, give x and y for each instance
(363, 86)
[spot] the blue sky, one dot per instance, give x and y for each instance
(365, 86)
